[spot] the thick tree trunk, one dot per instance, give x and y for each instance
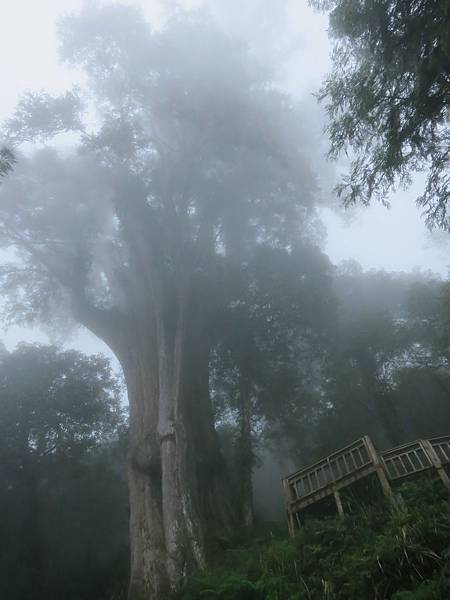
(175, 494)
(183, 526)
(177, 476)
(148, 574)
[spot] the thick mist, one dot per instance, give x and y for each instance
(190, 312)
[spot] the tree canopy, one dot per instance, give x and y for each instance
(388, 98)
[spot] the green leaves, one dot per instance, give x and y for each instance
(62, 476)
(375, 555)
(388, 98)
(54, 405)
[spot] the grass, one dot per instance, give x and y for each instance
(374, 553)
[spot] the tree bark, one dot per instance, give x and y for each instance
(176, 497)
(148, 575)
(178, 487)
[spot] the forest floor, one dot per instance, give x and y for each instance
(376, 552)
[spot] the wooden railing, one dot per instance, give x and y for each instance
(406, 460)
(329, 471)
(416, 456)
(358, 460)
(441, 445)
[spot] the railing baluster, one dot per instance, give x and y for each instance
(306, 485)
(336, 471)
(422, 457)
(408, 456)
(365, 454)
(347, 468)
(351, 462)
(418, 465)
(394, 467)
(440, 451)
(357, 457)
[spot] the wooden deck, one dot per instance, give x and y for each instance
(357, 461)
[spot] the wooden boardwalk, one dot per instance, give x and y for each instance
(357, 461)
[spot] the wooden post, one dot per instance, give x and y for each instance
(288, 500)
(379, 469)
(338, 500)
(436, 462)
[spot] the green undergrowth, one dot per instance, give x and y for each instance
(375, 553)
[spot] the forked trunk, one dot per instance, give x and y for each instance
(177, 477)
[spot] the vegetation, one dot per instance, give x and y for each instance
(169, 205)
(63, 497)
(375, 553)
(63, 515)
(388, 98)
(345, 353)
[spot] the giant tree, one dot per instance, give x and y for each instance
(388, 97)
(186, 157)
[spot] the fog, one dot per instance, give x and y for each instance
(188, 307)
(289, 34)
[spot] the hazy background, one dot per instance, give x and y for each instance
(286, 34)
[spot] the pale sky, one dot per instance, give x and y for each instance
(394, 239)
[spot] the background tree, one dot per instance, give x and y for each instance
(62, 475)
(388, 98)
(273, 338)
(382, 369)
(192, 160)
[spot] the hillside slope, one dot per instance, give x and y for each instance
(376, 553)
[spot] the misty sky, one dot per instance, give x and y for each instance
(285, 32)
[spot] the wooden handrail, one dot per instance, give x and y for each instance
(330, 470)
(359, 459)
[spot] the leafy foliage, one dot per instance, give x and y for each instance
(63, 518)
(197, 157)
(376, 554)
(388, 98)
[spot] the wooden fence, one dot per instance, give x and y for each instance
(357, 461)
